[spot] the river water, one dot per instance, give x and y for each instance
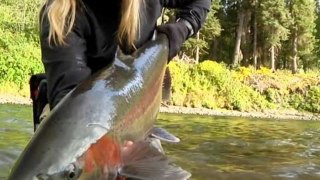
(211, 147)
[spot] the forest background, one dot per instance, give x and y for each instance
(251, 55)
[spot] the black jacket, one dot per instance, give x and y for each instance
(92, 43)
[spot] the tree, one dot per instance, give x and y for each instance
(210, 30)
(302, 39)
(317, 35)
(237, 51)
(275, 21)
(223, 46)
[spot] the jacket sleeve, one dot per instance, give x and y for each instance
(194, 11)
(65, 65)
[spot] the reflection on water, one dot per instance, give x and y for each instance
(15, 131)
(237, 148)
(211, 147)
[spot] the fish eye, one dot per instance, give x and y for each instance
(71, 175)
(72, 172)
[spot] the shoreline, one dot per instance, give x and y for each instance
(267, 114)
(14, 99)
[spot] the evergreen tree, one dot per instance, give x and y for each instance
(275, 20)
(224, 45)
(317, 36)
(304, 15)
(302, 38)
(207, 34)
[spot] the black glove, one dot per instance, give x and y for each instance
(177, 34)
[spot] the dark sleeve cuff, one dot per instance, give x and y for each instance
(188, 25)
(194, 11)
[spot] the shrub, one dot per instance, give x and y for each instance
(312, 100)
(19, 58)
(19, 44)
(212, 85)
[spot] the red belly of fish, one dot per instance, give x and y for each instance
(103, 155)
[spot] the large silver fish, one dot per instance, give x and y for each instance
(100, 129)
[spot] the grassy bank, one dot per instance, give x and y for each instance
(208, 85)
(214, 86)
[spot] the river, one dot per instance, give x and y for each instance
(211, 147)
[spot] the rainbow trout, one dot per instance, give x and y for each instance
(101, 129)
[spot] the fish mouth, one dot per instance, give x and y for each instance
(71, 172)
(101, 160)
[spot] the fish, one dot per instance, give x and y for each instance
(104, 128)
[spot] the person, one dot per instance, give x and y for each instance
(79, 37)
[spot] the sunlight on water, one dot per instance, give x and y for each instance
(15, 131)
(237, 148)
(211, 147)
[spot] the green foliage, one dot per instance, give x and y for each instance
(19, 58)
(213, 85)
(10, 88)
(275, 20)
(208, 84)
(304, 17)
(276, 24)
(210, 30)
(191, 45)
(181, 79)
(309, 101)
(20, 16)
(19, 44)
(312, 100)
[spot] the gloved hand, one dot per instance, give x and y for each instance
(177, 34)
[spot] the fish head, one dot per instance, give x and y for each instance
(69, 173)
(101, 160)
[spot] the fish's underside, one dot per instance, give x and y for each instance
(103, 129)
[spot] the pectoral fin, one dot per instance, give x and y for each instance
(144, 162)
(156, 143)
(163, 135)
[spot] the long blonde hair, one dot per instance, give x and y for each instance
(62, 14)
